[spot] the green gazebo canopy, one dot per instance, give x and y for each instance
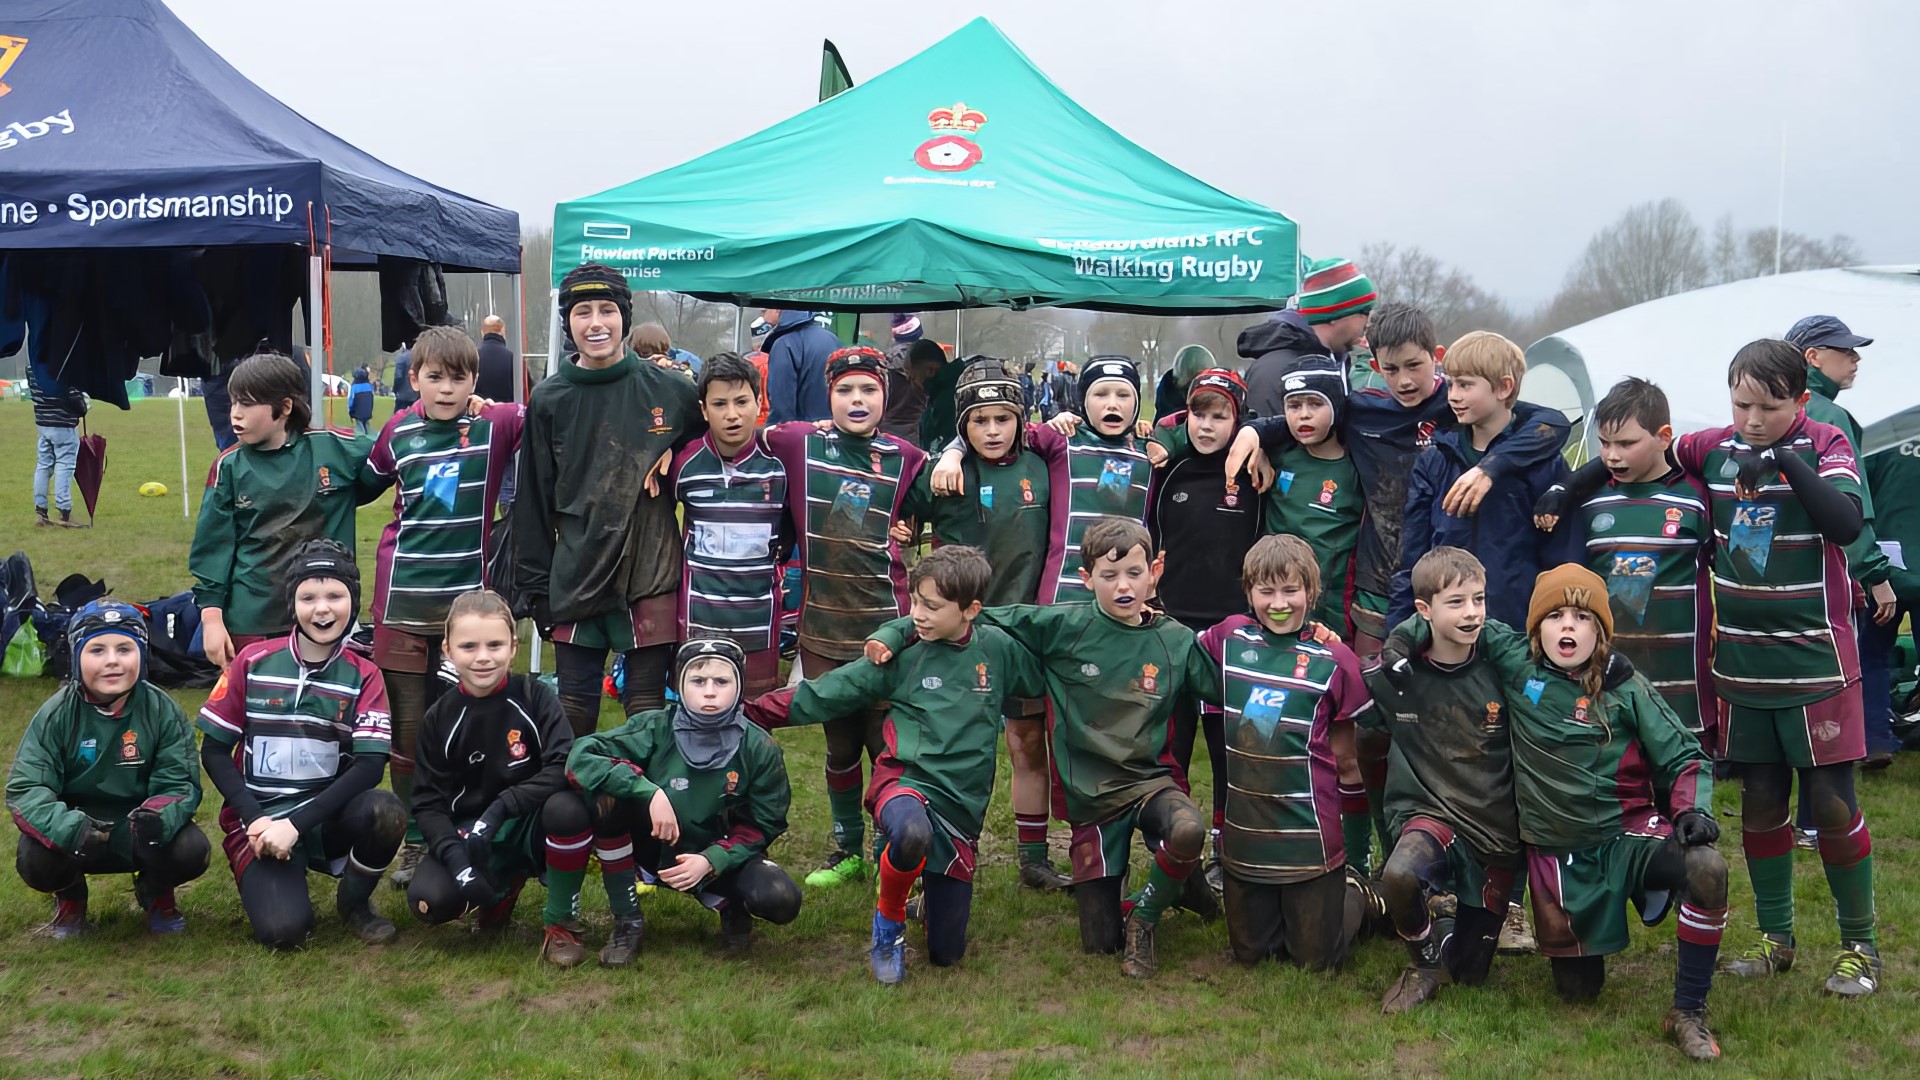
(960, 178)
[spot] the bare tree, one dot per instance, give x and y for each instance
(1655, 249)
(1447, 294)
(1738, 254)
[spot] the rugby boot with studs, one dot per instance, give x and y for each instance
(1856, 971)
(1137, 959)
(1687, 1029)
(623, 944)
(561, 946)
(1771, 955)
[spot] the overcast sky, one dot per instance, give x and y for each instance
(1497, 135)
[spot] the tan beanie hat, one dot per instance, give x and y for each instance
(1569, 585)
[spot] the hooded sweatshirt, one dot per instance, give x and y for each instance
(797, 352)
(1272, 349)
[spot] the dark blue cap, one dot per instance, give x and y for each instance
(1824, 332)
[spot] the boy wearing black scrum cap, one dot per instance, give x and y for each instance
(599, 551)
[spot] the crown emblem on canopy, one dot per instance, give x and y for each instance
(956, 117)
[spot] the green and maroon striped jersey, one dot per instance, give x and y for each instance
(1783, 602)
(1652, 542)
(448, 475)
(1092, 477)
(295, 727)
(1282, 694)
(845, 492)
(735, 515)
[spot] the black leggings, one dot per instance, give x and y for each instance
(581, 671)
(1189, 720)
(435, 897)
(946, 903)
(159, 867)
(1169, 821)
(274, 893)
(766, 891)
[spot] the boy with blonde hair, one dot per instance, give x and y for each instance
(1484, 371)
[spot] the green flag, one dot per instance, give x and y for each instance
(834, 78)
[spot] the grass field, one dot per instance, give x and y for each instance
(1025, 1003)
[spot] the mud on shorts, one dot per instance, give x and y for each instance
(1475, 882)
(1827, 732)
(652, 620)
(1369, 614)
(1580, 897)
(1101, 849)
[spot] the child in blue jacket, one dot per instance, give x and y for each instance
(1484, 372)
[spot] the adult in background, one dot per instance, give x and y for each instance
(496, 362)
(1833, 360)
(56, 416)
(360, 401)
(1064, 388)
(797, 352)
(1330, 318)
(598, 547)
(912, 363)
(1170, 394)
(404, 395)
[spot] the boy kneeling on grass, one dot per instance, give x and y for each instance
(1449, 785)
(1590, 736)
(1115, 669)
(490, 788)
(1290, 693)
(932, 782)
(105, 780)
(297, 738)
(711, 791)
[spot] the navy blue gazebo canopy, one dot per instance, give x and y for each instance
(120, 128)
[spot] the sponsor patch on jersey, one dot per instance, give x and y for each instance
(1286, 482)
(678, 783)
(931, 682)
(1179, 496)
(1751, 537)
(1263, 709)
(1536, 687)
(1630, 581)
(1602, 522)
(986, 496)
(1091, 671)
(89, 750)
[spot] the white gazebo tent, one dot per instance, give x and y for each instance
(1684, 343)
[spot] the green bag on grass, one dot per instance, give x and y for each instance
(26, 658)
